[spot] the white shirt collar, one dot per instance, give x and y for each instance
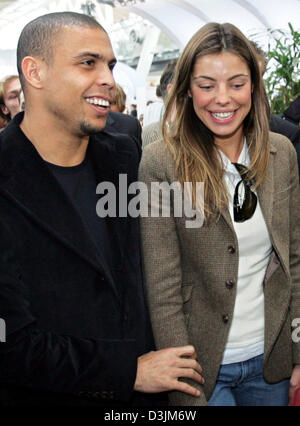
(244, 159)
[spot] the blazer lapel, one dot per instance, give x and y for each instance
(266, 190)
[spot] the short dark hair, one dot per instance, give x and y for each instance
(38, 36)
(167, 77)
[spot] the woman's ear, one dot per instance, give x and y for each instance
(33, 71)
(4, 109)
(189, 94)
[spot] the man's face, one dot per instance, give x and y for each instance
(11, 96)
(78, 84)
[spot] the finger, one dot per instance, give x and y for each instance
(184, 387)
(185, 351)
(189, 363)
(189, 373)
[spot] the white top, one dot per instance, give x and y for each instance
(246, 336)
(154, 112)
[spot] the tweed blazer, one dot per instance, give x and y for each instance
(187, 271)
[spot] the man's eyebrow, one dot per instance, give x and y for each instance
(95, 56)
(206, 77)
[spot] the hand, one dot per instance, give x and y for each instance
(159, 371)
(294, 383)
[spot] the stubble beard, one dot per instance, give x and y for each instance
(88, 130)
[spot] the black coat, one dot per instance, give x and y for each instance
(75, 327)
(124, 123)
(288, 129)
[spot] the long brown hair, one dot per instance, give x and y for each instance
(191, 142)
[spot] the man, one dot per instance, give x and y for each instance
(133, 110)
(292, 113)
(153, 131)
(11, 96)
(77, 331)
(155, 110)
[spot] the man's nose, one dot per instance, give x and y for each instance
(106, 78)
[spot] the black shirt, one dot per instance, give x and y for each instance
(79, 183)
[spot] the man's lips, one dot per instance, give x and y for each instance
(99, 101)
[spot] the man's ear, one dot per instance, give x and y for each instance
(34, 71)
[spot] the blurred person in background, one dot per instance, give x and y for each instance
(11, 96)
(154, 110)
(292, 113)
(119, 102)
(277, 123)
(118, 121)
(3, 117)
(133, 110)
(153, 131)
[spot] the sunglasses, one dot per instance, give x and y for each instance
(244, 200)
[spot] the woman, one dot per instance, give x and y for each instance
(231, 288)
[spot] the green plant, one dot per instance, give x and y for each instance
(283, 81)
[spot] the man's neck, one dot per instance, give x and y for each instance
(54, 145)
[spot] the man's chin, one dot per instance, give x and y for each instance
(89, 129)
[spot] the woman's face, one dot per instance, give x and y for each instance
(220, 89)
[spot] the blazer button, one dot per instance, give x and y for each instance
(229, 284)
(225, 318)
(231, 249)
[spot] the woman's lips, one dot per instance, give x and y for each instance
(223, 117)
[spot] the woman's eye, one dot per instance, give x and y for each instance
(205, 87)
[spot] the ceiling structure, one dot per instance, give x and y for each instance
(178, 19)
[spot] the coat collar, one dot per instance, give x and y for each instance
(27, 181)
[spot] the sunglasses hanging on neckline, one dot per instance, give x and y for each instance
(243, 210)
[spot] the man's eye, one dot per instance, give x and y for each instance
(88, 62)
